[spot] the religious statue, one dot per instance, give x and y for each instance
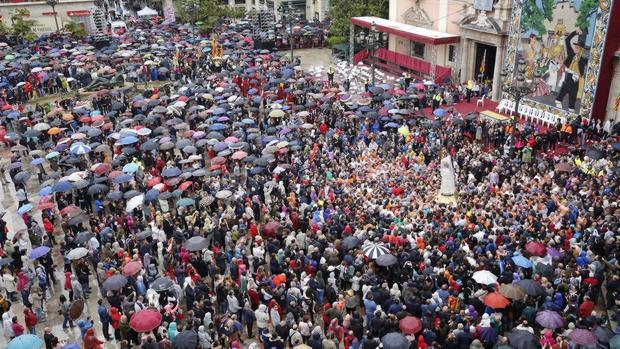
(447, 191)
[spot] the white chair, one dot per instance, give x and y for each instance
(480, 101)
(510, 107)
(523, 110)
(501, 107)
(533, 115)
(550, 118)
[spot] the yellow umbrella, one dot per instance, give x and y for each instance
(67, 117)
(404, 130)
(53, 131)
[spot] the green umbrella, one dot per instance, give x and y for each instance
(186, 202)
(9, 57)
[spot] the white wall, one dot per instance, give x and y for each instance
(45, 23)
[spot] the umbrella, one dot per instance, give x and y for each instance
(530, 287)
(186, 202)
(545, 269)
(171, 172)
(536, 248)
(549, 319)
(603, 334)
(24, 209)
(134, 203)
(114, 282)
(77, 253)
(75, 309)
(145, 320)
(6, 261)
(521, 339)
(83, 237)
(132, 268)
(25, 341)
(595, 154)
(410, 325)
(196, 243)
(350, 242)
(495, 300)
(512, 291)
(185, 340)
(484, 277)
(615, 341)
(145, 234)
(162, 284)
(564, 167)
(521, 261)
(39, 252)
(439, 112)
(582, 336)
(223, 194)
(373, 251)
(386, 260)
(394, 340)
(77, 220)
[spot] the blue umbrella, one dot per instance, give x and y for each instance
(25, 341)
(128, 140)
(392, 125)
(248, 121)
(439, 112)
(521, 261)
(71, 346)
(130, 167)
(38, 252)
(171, 172)
(62, 187)
(217, 127)
(123, 179)
(37, 161)
(115, 195)
(219, 111)
(151, 195)
(25, 208)
(186, 202)
(52, 155)
(80, 148)
(45, 191)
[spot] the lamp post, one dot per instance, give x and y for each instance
(53, 4)
(287, 18)
(518, 87)
(371, 42)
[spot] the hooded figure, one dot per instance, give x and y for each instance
(262, 317)
(91, 341)
(204, 338)
(7, 325)
(140, 287)
(172, 331)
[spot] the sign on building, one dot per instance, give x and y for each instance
(483, 5)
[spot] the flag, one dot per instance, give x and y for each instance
(483, 62)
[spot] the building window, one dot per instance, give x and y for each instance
(417, 49)
(451, 53)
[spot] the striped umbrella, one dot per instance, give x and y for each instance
(373, 251)
(80, 149)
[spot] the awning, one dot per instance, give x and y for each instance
(341, 47)
(147, 11)
(407, 31)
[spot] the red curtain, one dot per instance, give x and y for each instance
(360, 56)
(404, 60)
(442, 73)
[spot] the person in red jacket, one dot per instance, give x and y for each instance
(31, 320)
(115, 318)
(585, 309)
(91, 341)
(17, 328)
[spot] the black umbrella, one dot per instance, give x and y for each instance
(97, 189)
(185, 340)
(78, 219)
(545, 269)
(144, 234)
(83, 237)
(162, 284)
(22, 177)
(595, 154)
(350, 242)
(386, 260)
(114, 282)
(521, 339)
(530, 287)
(196, 243)
(395, 340)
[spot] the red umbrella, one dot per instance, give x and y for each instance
(495, 300)
(591, 281)
(114, 174)
(69, 209)
(102, 168)
(218, 160)
(145, 320)
(185, 185)
(153, 182)
(536, 248)
(410, 325)
(132, 268)
(581, 336)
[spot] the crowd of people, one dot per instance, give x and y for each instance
(246, 204)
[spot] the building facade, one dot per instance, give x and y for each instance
(79, 11)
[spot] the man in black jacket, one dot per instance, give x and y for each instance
(575, 64)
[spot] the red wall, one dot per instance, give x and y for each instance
(606, 71)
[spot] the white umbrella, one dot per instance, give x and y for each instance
(373, 251)
(223, 194)
(134, 202)
(484, 277)
(41, 126)
(77, 253)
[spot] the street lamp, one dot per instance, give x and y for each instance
(371, 42)
(53, 4)
(517, 87)
(287, 18)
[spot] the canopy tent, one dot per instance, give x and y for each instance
(147, 11)
(407, 31)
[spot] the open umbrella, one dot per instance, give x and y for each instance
(132, 268)
(162, 284)
(25, 341)
(521, 261)
(549, 319)
(582, 336)
(496, 300)
(521, 339)
(410, 325)
(134, 203)
(145, 320)
(394, 340)
(75, 309)
(512, 291)
(350, 242)
(373, 251)
(386, 260)
(530, 287)
(114, 282)
(38, 252)
(196, 243)
(77, 253)
(484, 277)
(185, 340)
(536, 248)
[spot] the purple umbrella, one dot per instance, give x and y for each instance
(553, 252)
(582, 336)
(488, 334)
(39, 252)
(549, 319)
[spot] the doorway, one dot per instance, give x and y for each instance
(485, 62)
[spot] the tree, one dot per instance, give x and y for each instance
(208, 12)
(533, 16)
(235, 12)
(76, 29)
(342, 10)
(22, 24)
(586, 10)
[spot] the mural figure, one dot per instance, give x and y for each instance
(575, 66)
